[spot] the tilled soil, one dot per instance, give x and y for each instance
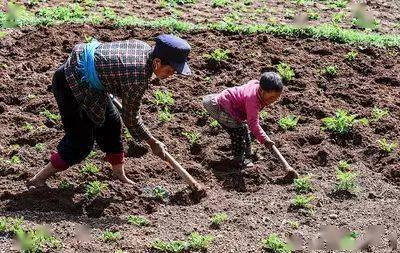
(256, 204)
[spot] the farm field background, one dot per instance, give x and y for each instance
(338, 65)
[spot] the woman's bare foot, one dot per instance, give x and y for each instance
(118, 172)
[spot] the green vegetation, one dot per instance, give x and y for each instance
(338, 17)
(342, 122)
(128, 135)
(351, 56)
(138, 221)
(195, 242)
(263, 116)
(109, 14)
(386, 146)
(285, 71)
(302, 201)
(313, 15)
(15, 159)
(303, 184)
(348, 242)
(95, 188)
(289, 14)
(214, 123)
(36, 240)
(92, 154)
(90, 168)
(192, 136)
(27, 127)
(346, 181)
(294, 224)
(217, 56)
(338, 3)
(288, 122)
(378, 114)
(218, 218)
(276, 245)
(165, 115)
(163, 98)
(109, 236)
(65, 185)
(344, 166)
(51, 116)
(330, 71)
(219, 3)
(39, 147)
(160, 193)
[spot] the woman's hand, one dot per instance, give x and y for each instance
(157, 147)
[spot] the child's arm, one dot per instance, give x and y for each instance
(253, 120)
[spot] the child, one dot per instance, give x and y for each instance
(82, 85)
(237, 109)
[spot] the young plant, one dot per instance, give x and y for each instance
(15, 159)
(199, 242)
(276, 245)
(163, 98)
(386, 146)
(95, 188)
(351, 56)
(289, 14)
(338, 17)
(214, 123)
(217, 56)
(128, 135)
(285, 71)
(92, 154)
(27, 127)
(39, 147)
(342, 122)
(90, 168)
(218, 218)
(330, 71)
(36, 240)
(344, 166)
(65, 185)
(138, 221)
(193, 137)
(263, 116)
(165, 115)
(313, 15)
(301, 201)
(109, 236)
(170, 247)
(219, 3)
(303, 184)
(50, 116)
(294, 224)
(160, 193)
(378, 114)
(346, 181)
(109, 14)
(288, 123)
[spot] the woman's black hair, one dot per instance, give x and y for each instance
(271, 81)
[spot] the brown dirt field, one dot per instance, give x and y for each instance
(255, 204)
(386, 12)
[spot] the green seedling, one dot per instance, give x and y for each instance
(313, 15)
(344, 166)
(301, 201)
(219, 3)
(109, 14)
(39, 147)
(218, 218)
(170, 247)
(290, 13)
(276, 245)
(217, 56)
(11, 225)
(192, 137)
(109, 236)
(214, 124)
(36, 240)
(51, 116)
(294, 224)
(338, 3)
(65, 185)
(92, 154)
(95, 188)
(386, 146)
(289, 122)
(15, 159)
(128, 135)
(90, 168)
(351, 56)
(27, 127)
(138, 221)
(338, 17)
(263, 116)
(160, 193)
(285, 71)
(346, 181)
(342, 122)
(163, 98)
(330, 71)
(165, 115)
(378, 114)
(303, 184)
(199, 242)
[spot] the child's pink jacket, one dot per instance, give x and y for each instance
(244, 103)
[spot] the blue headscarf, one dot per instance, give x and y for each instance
(86, 64)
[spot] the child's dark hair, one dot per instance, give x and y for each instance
(271, 81)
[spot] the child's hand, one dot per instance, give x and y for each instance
(158, 148)
(269, 143)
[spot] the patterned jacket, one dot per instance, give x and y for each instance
(124, 68)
